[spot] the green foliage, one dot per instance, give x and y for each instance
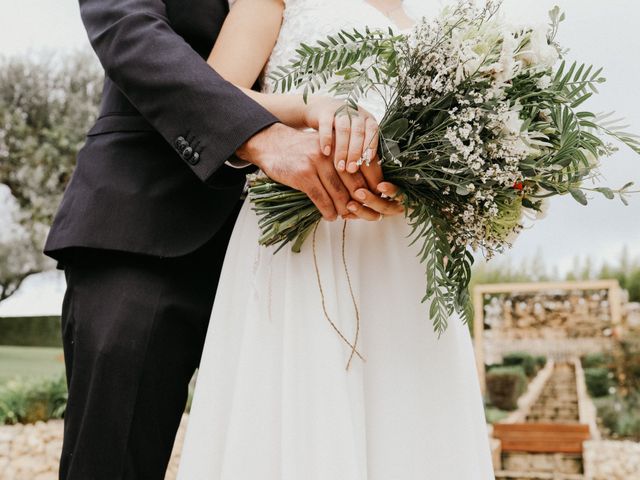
(508, 380)
(626, 270)
(598, 380)
(342, 55)
(30, 401)
(505, 385)
(523, 359)
(422, 139)
(596, 360)
(620, 415)
(30, 362)
(46, 106)
(296, 218)
(20, 254)
(494, 415)
(627, 363)
(619, 412)
(540, 360)
(490, 366)
(448, 268)
(30, 331)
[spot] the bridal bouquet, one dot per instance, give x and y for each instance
(483, 123)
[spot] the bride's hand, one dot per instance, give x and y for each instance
(356, 132)
(356, 137)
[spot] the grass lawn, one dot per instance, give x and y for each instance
(30, 362)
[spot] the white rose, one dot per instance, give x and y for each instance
(538, 51)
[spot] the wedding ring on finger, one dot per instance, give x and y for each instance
(391, 198)
(366, 157)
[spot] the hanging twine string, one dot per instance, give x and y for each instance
(354, 350)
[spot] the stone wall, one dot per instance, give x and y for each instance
(32, 452)
(611, 460)
(560, 324)
(631, 312)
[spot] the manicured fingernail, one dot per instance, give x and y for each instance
(341, 165)
(383, 187)
(361, 194)
(353, 167)
(352, 207)
(327, 150)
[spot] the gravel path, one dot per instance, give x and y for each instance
(31, 452)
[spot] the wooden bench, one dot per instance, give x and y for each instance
(542, 437)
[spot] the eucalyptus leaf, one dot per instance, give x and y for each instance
(607, 192)
(579, 196)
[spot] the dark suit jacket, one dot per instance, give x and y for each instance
(151, 177)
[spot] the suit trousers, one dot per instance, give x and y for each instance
(133, 331)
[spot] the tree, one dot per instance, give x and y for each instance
(626, 270)
(20, 257)
(46, 107)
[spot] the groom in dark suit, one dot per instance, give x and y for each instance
(143, 227)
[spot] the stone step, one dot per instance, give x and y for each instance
(553, 415)
(557, 404)
(557, 393)
(554, 408)
(511, 475)
(561, 463)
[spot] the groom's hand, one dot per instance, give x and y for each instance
(373, 197)
(293, 158)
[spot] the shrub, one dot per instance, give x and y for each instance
(598, 381)
(494, 415)
(524, 359)
(628, 362)
(620, 415)
(491, 366)
(505, 385)
(31, 331)
(594, 360)
(540, 360)
(30, 401)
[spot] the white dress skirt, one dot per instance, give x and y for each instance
(274, 400)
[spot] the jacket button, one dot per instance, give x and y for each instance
(181, 144)
(195, 158)
(187, 153)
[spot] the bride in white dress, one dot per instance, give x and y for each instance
(273, 399)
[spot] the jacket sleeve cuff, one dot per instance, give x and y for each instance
(205, 162)
(235, 162)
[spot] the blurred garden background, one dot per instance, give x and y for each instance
(553, 353)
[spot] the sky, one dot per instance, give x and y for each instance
(596, 31)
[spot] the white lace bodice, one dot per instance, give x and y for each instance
(311, 20)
